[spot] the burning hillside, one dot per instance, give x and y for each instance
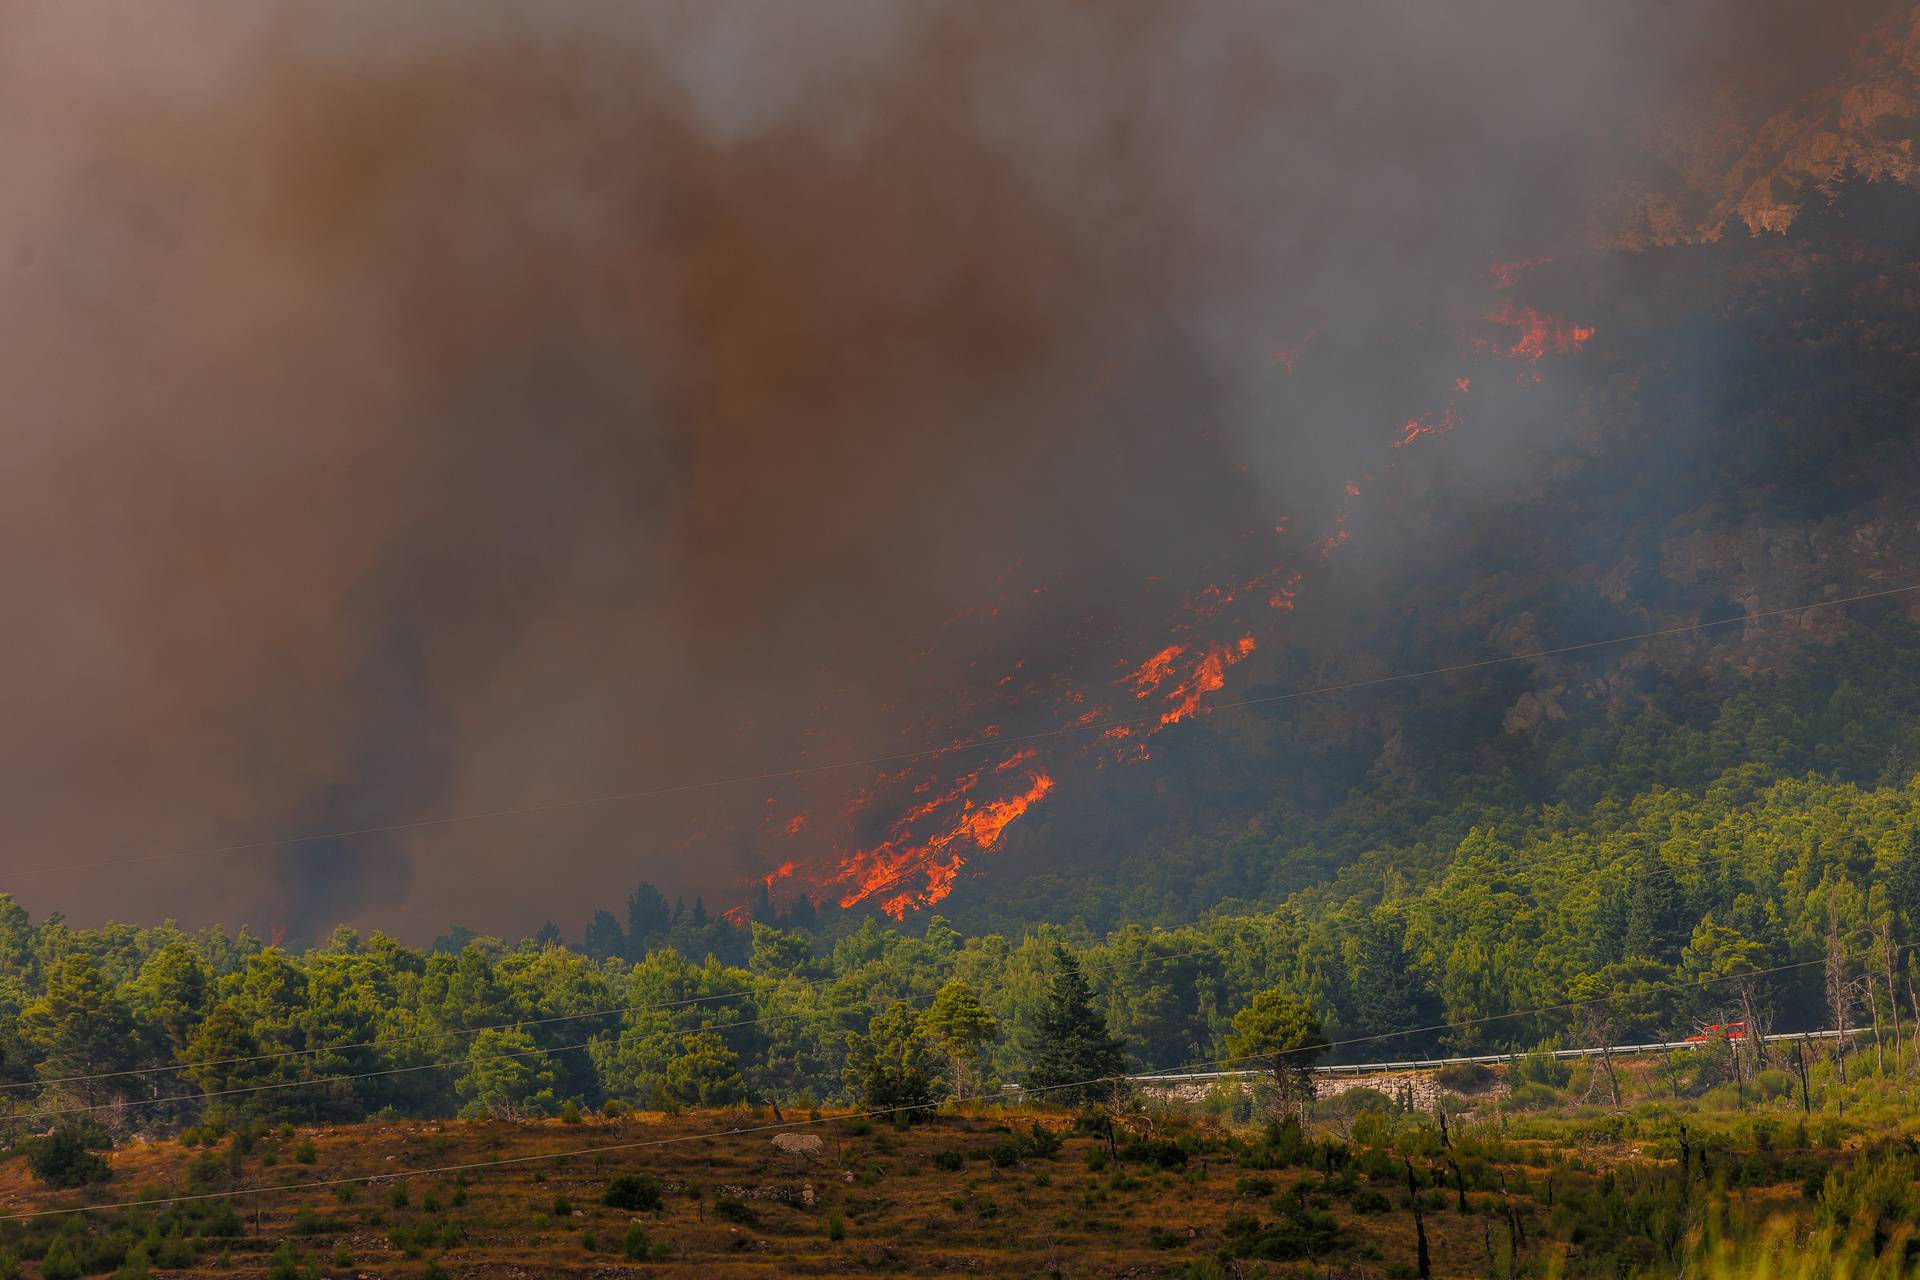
(903, 838)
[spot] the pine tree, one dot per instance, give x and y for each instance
(1282, 1034)
(648, 919)
(1656, 915)
(81, 1027)
(893, 1066)
(1607, 936)
(604, 940)
(1903, 882)
(1074, 1058)
(802, 916)
(961, 1028)
(706, 1074)
(1389, 991)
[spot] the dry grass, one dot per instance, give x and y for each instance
(899, 1211)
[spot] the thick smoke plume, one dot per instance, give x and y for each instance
(431, 408)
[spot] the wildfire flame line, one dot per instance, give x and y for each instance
(921, 851)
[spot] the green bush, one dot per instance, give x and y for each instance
(68, 1157)
(1159, 1153)
(636, 1244)
(403, 1239)
(1533, 1096)
(1005, 1153)
(1464, 1077)
(136, 1267)
(637, 1191)
(1367, 1200)
(205, 1172)
(734, 1211)
(1541, 1067)
(1044, 1142)
(59, 1262)
(948, 1161)
(223, 1222)
(287, 1264)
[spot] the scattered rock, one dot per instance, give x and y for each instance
(801, 1196)
(797, 1144)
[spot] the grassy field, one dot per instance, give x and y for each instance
(997, 1193)
(954, 1195)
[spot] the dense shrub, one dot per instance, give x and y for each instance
(639, 1191)
(1464, 1077)
(1367, 1200)
(1533, 1095)
(1159, 1153)
(69, 1156)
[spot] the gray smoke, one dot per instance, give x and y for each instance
(435, 408)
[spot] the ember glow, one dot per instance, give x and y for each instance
(1505, 273)
(1536, 334)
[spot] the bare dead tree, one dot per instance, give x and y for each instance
(1839, 991)
(1888, 954)
(1757, 1018)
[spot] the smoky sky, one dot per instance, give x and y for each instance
(435, 408)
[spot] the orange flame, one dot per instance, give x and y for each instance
(965, 828)
(1537, 334)
(1206, 675)
(1154, 671)
(1503, 273)
(1416, 428)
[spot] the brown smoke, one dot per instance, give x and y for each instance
(430, 408)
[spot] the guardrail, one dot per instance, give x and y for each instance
(1484, 1059)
